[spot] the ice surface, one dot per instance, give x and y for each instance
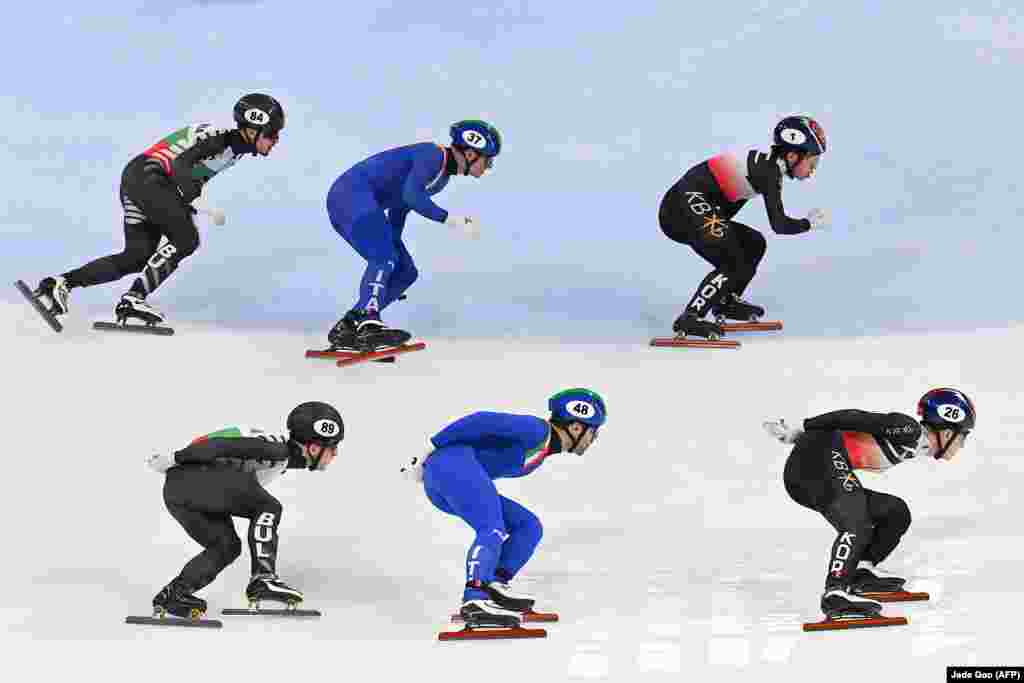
(671, 550)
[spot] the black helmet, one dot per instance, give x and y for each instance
(260, 112)
(800, 134)
(316, 422)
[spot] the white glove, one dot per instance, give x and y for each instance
(215, 215)
(414, 470)
(818, 218)
(161, 462)
(467, 225)
(782, 431)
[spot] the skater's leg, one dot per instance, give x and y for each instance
(404, 275)
(891, 518)
(164, 207)
(372, 237)
(753, 246)
(456, 483)
(221, 545)
(140, 240)
(524, 533)
(848, 515)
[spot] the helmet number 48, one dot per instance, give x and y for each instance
(580, 408)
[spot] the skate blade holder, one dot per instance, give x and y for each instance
(290, 609)
(492, 633)
(529, 617)
(162, 618)
(840, 622)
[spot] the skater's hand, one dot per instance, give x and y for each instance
(818, 218)
(161, 462)
(467, 225)
(782, 432)
(413, 471)
(216, 216)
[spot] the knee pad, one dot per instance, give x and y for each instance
(895, 515)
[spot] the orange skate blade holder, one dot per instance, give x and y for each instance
(854, 622)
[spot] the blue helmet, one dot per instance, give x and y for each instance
(478, 135)
(578, 405)
(946, 408)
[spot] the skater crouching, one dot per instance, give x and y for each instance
(222, 475)
(819, 474)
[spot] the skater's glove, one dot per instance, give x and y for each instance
(466, 225)
(782, 432)
(413, 471)
(161, 462)
(818, 218)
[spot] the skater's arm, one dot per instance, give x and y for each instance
(232, 449)
(890, 426)
(396, 217)
(527, 430)
(766, 178)
(427, 165)
(209, 143)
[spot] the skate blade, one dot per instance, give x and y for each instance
(528, 617)
(895, 596)
(345, 358)
(683, 342)
(170, 620)
(767, 326)
(43, 311)
(492, 633)
(158, 330)
(839, 623)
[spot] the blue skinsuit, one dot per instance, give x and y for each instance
(458, 479)
(368, 205)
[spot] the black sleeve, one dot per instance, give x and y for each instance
(766, 178)
(900, 429)
(209, 145)
(210, 451)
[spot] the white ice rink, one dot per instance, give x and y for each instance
(671, 551)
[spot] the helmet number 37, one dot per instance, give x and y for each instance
(474, 139)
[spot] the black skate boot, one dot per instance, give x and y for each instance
(486, 613)
(870, 579)
(734, 308)
(838, 603)
(342, 336)
(269, 587)
(372, 334)
(176, 599)
(133, 305)
(53, 293)
(501, 595)
(689, 325)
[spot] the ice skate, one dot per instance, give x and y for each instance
(871, 579)
(689, 325)
(132, 305)
(476, 613)
(503, 596)
(342, 336)
(373, 335)
(839, 604)
(734, 308)
(269, 587)
(53, 293)
(176, 599)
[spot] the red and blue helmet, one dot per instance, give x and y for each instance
(946, 408)
(478, 135)
(578, 405)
